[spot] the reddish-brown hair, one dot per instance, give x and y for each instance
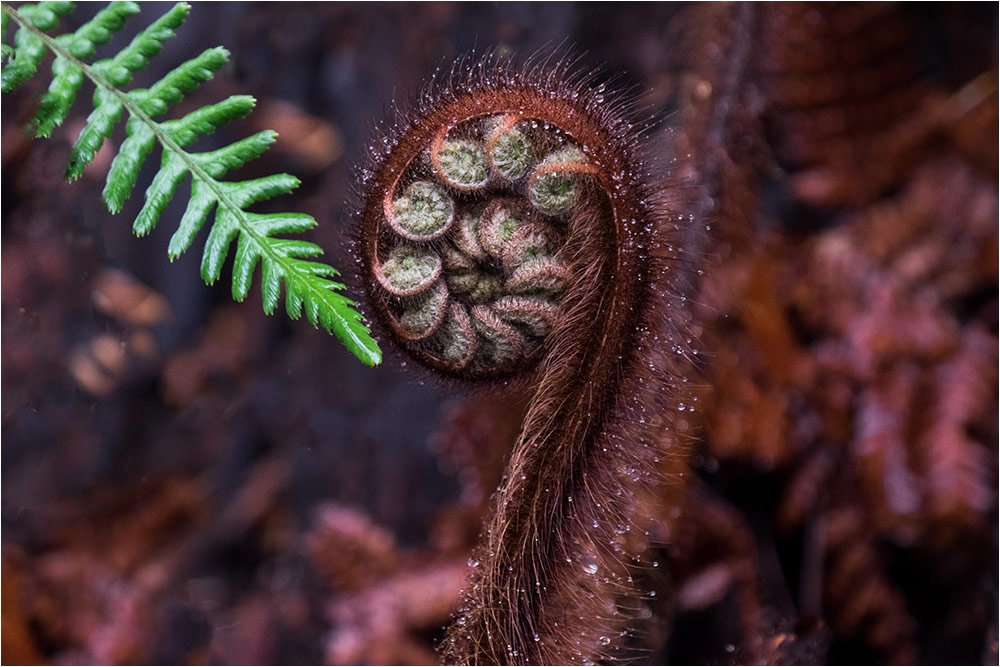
(548, 581)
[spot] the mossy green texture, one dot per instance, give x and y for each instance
(424, 212)
(511, 154)
(463, 163)
(555, 192)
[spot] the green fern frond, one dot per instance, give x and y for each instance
(309, 285)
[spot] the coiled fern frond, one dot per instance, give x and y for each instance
(309, 284)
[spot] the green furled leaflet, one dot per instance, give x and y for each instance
(309, 285)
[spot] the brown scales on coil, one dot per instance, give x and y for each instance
(508, 235)
(846, 438)
(826, 370)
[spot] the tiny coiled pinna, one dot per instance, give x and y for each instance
(509, 231)
(464, 237)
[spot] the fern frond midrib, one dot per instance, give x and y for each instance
(168, 144)
(309, 285)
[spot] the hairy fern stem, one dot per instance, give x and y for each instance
(541, 190)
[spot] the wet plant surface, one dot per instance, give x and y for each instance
(179, 466)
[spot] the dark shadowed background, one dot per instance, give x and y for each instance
(188, 480)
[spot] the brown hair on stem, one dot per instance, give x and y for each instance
(510, 236)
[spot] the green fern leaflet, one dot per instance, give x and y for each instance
(308, 284)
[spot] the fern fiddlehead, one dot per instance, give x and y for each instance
(309, 285)
(509, 234)
(470, 274)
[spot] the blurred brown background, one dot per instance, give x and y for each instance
(188, 480)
